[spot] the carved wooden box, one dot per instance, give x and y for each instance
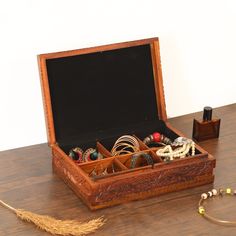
(92, 97)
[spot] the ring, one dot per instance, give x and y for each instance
(123, 148)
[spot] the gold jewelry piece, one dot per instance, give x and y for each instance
(124, 145)
(213, 193)
(123, 148)
(128, 139)
(94, 172)
(121, 152)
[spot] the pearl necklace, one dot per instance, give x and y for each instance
(169, 154)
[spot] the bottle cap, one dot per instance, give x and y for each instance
(207, 113)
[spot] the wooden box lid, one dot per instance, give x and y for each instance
(89, 91)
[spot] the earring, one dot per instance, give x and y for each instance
(79, 156)
(76, 154)
(91, 154)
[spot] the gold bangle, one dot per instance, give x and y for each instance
(121, 152)
(116, 151)
(124, 143)
(128, 139)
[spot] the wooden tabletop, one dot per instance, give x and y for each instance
(27, 181)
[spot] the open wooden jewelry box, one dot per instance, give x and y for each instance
(92, 97)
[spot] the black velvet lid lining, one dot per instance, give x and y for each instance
(98, 95)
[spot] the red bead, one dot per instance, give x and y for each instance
(156, 137)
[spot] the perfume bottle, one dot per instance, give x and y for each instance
(207, 128)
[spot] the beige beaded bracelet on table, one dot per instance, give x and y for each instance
(214, 193)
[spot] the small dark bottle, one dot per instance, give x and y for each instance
(207, 128)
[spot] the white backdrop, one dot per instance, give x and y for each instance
(197, 40)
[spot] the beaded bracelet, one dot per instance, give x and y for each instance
(135, 157)
(214, 193)
(157, 138)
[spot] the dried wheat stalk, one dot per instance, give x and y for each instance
(57, 227)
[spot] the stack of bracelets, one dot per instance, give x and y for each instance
(78, 155)
(212, 194)
(127, 144)
(124, 145)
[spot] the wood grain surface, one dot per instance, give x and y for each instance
(27, 181)
(138, 183)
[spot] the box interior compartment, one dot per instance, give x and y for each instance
(102, 168)
(112, 166)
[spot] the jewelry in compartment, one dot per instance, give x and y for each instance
(92, 154)
(79, 156)
(180, 148)
(76, 154)
(157, 138)
(124, 145)
(102, 169)
(140, 155)
(98, 170)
